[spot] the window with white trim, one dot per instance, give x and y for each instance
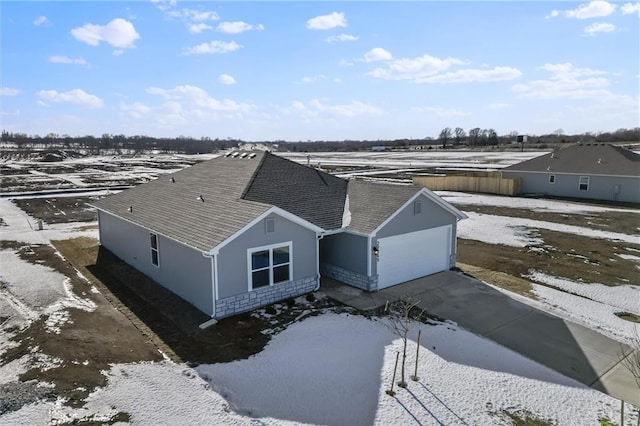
(552, 178)
(583, 183)
(269, 265)
(155, 253)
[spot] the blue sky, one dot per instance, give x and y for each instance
(318, 70)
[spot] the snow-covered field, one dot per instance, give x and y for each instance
(334, 369)
(449, 159)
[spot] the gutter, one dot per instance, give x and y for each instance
(318, 238)
(214, 294)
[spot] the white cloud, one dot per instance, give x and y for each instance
(7, 91)
(135, 110)
(587, 88)
(377, 54)
(431, 69)
(341, 38)
(629, 8)
(319, 108)
(226, 79)
(197, 100)
(311, 79)
(198, 28)
(567, 70)
(414, 68)
(40, 20)
(473, 76)
(599, 27)
(442, 112)
(75, 96)
(327, 22)
(164, 4)
(118, 33)
(192, 15)
(57, 59)
(213, 47)
(594, 9)
(237, 27)
(566, 81)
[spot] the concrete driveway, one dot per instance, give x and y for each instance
(571, 349)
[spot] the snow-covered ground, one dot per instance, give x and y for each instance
(334, 370)
(533, 204)
(448, 159)
(516, 231)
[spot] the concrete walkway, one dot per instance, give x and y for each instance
(571, 349)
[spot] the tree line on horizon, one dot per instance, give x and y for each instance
(448, 137)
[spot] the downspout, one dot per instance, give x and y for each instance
(214, 293)
(318, 238)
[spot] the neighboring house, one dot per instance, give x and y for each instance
(248, 229)
(592, 171)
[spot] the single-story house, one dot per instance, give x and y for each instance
(595, 171)
(250, 228)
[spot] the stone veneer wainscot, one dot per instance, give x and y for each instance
(264, 296)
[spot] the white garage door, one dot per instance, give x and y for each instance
(409, 256)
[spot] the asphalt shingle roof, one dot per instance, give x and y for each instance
(372, 203)
(173, 209)
(313, 195)
(594, 159)
(236, 190)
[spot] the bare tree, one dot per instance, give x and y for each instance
(474, 135)
(460, 134)
(445, 135)
(400, 321)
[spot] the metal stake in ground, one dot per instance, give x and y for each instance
(395, 367)
(415, 377)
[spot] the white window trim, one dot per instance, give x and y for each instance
(157, 249)
(270, 247)
(580, 183)
(554, 179)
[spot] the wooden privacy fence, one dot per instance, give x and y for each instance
(488, 185)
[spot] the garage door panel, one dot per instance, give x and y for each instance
(413, 255)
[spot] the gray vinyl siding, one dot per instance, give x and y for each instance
(232, 260)
(348, 251)
(182, 269)
(566, 185)
(431, 216)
